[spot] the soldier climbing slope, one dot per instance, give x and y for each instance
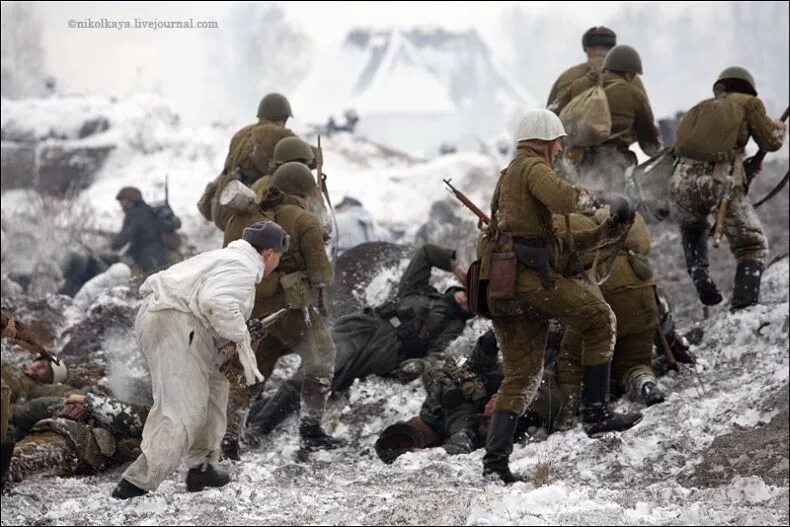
(596, 43)
(710, 145)
(303, 271)
(249, 155)
(524, 293)
(602, 162)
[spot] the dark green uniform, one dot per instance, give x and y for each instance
(454, 414)
(141, 230)
(421, 322)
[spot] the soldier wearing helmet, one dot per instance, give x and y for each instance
(596, 43)
(249, 156)
(141, 230)
(287, 150)
(531, 290)
(710, 143)
(604, 165)
(304, 269)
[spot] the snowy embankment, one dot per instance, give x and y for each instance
(141, 143)
(676, 467)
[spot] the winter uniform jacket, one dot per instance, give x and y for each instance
(141, 230)
(217, 288)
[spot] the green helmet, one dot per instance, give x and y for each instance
(294, 178)
(623, 58)
(738, 73)
(292, 149)
(398, 439)
(599, 36)
(274, 107)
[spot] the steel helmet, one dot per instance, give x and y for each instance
(294, 178)
(738, 73)
(292, 149)
(623, 58)
(274, 107)
(540, 124)
(59, 371)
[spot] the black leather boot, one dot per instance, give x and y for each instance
(597, 417)
(126, 490)
(207, 475)
(275, 410)
(499, 446)
(695, 249)
(312, 437)
(652, 394)
(746, 291)
(5, 462)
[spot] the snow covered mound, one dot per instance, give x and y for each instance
(678, 466)
(414, 89)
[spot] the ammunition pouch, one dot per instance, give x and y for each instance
(296, 289)
(535, 256)
(503, 268)
(640, 265)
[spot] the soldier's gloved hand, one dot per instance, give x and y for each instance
(409, 370)
(462, 442)
(620, 208)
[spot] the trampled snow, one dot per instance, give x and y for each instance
(638, 477)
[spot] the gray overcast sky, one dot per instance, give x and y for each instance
(174, 62)
(101, 60)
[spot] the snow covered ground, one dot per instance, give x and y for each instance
(656, 474)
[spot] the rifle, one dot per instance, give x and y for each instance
(319, 167)
(751, 165)
(718, 229)
(167, 190)
(467, 202)
(322, 192)
(24, 340)
(258, 328)
(774, 191)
